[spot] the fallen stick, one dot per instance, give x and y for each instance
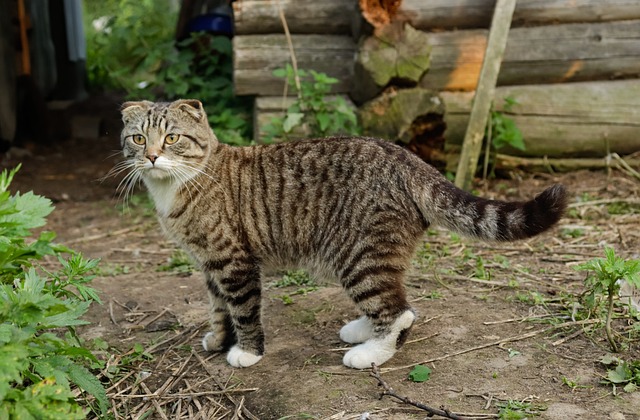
(443, 412)
(495, 343)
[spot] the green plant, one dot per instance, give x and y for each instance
(516, 410)
(126, 40)
(201, 67)
(573, 384)
(295, 278)
(131, 48)
(178, 262)
(603, 282)
(313, 112)
(622, 373)
(420, 373)
(502, 131)
(38, 363)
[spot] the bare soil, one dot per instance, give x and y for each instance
(487, 314)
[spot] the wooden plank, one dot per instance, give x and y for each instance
(303, 16)
(256, 56)
(587, 119)
(466, 14)
(550, 54)
(481, 105)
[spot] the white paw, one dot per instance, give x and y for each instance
(240, 358)
(380, 349)
(211, 342)
(373, 351)
(357, 331)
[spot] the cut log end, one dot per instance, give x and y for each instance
(379, 13)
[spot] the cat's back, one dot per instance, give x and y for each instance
(312, 193)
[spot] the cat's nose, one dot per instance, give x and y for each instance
(152, 157)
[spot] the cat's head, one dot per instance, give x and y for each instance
(168, 141)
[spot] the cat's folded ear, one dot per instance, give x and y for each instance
(193, 107)
(133, 109)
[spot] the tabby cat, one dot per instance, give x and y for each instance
(351, 208)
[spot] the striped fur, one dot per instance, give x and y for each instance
(353, 209)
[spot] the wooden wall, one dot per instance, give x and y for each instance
(573, 66)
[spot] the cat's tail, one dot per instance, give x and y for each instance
(443, 204)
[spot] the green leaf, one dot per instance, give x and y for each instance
(291, 121)
(619, 375)
(80, 376)
(420, 373)
(630, 387)
(323, 121)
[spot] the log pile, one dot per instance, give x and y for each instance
(412, 66)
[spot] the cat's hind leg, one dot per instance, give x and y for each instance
(357, 331)
(383, 345)
(376, 288)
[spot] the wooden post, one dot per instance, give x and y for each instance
(496, 44)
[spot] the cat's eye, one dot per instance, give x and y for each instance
(171, 138)
(138, 139)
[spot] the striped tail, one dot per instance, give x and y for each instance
(446, 205)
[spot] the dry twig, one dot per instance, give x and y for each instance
(443, 412)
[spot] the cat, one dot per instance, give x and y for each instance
(349, 208)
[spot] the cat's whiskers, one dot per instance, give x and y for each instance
(128, 183)
(117, 169)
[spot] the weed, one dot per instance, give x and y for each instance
(295, 278)
(502, 131)
(572, 233)
(516, 410)
(573, 384)
(420, 373)
(622, 373)
(312, 112)
(623, 207)
(178, 262)
(605, 276)
(38, 363)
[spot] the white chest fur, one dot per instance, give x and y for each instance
(163, 192)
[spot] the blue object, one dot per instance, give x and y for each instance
(215, 23)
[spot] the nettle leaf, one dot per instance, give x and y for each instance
(323, 121)
(420, 373)
(81, 376)
(291, 121)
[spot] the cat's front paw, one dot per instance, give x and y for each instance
(373, 351)
(213, 342)
(240, 358)
(357, 331)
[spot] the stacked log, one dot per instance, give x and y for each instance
(587, 119)
(573, 66)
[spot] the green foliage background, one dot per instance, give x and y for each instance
(131, 48)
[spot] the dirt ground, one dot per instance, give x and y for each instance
(487, 327)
